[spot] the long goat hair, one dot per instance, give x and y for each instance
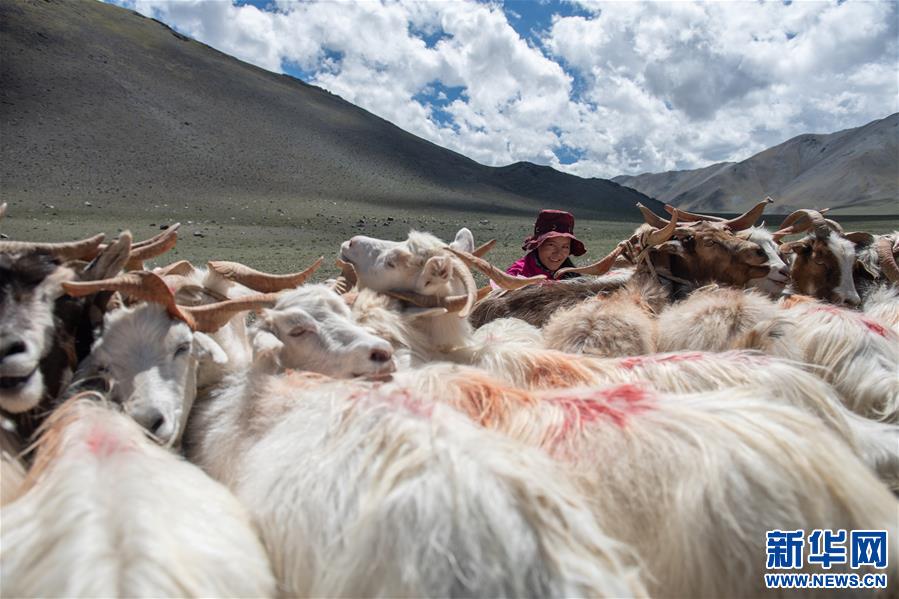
(369, 490)
(106, 512)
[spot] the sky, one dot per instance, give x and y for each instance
(596, 89)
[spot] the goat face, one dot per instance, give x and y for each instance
(29, 287)
(778, 272)
(823, 268)
(312, 329)
(152, 361)
(413, 265)
(708, 254)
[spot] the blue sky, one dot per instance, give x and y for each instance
(596, 89)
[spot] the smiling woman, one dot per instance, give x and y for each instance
(549, 247)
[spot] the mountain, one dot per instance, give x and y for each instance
(855, 171)
(98, 103)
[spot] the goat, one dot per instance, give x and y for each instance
(107, 513)
(530, 367)
(151, 351)
(715, 318)
(858, 355)
(385, 494)
(707, 473)
(824, 262)
(621, 323)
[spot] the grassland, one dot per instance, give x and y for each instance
(282, 239)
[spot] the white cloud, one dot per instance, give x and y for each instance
(629, 87)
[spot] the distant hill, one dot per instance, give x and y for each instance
(98, 103)
(855, 171)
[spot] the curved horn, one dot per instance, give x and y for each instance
(748, 218)
(812, 218)
(471, 288)
(260, 281)
(181, 267)
(85, 249)
(484, 248)
(452, 303)
(501, 278)
(347, 279)
(887, 260)
(664, 234)
(860, 237)
(212, 317)
(139, 284)
(651, 217)
(597, 268)
(153, 247)
(689, 217)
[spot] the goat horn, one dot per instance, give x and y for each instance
(501, 278)
(156, 238)
(212, 317)
(664, 234)
(452, 303)
(597, 268)
(689, 217)
(260, 281)
(748, 218)
(859, 237)
(138, 284)
(887, 260)
(471, 288)
(155, 246)
(347, 273)
(484, 248)
(651, 217)
(85, 249)
(812, 218)
(181, 267)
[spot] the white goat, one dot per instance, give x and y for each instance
(109, 514)
(361, 491)
(707, 474)
(530, 367)
(858, 355)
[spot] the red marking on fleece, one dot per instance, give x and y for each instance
(637, 361)
(103, 443)
(616, 403)
(403, 398)
(872, 325)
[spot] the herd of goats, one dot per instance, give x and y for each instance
(396, 431)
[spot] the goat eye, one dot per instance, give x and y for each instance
(389, 264)
(709, 243)
(182, 349)
(298, 331)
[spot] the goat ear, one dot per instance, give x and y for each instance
(208, 349)
(439, 267)
(266, 352)
(464, 241)
(398, 256)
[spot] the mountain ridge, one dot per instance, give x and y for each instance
(100, 104)
(853, 171)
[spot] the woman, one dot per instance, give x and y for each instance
(549, 247)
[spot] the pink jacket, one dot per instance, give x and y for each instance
(529, 266)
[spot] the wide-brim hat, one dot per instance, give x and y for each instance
(554, 223)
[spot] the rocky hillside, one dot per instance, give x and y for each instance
(99, 104)
(855, 171)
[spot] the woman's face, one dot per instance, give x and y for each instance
(554, 251)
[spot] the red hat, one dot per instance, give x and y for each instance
(554, 223)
